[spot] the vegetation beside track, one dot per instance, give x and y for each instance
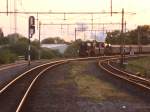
(15, 45)
(72, 50)
(7, 56)
(140, 66)
(91, 87)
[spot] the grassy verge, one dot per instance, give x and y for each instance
(93, 88)
(140, 66)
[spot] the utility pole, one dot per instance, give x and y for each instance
(37, 15)
(15, 17)
(39, 40)
(75, 34)
(29, 51)
(92, 25)
(7, 7)
(61, 29)
(122, 42)
(139, 39)
(111, 7)
(125, 26)
(84, 35)
(103, 29)
(95, 36)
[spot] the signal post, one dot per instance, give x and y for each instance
(31, 32)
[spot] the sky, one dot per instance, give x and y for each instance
(140, 7)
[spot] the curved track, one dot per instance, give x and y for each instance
(130, 78)
(14, 94)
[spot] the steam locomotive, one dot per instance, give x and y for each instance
(88, 49)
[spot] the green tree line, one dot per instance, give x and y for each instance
(140, 35)
(14, 45)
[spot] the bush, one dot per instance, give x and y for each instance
(4, 41)
(49, 54)
(73, 49)
(15, 45)
(20, 48)
(6, 56)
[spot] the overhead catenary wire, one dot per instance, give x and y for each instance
(65, 17)
(66, 13)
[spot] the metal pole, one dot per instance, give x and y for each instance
(75, 34)
(122, 43)
(37, 19)
(31, 31)
(92, 25)
(7, 7)
(139, 40)
(125, 26)
(29, 48)
(15, 16)
(111, 7)
(103, 28)
(29, 52)
(39, 40)
(95, 36)
(84, 36)
(124, 51)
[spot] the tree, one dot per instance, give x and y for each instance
(130, 37)
(49, 53)
(114, 37)
(73, 49)
(1, 33)
(144, 32)
(7, 56)
(55, 40)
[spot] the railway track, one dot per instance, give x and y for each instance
(14, 94)
(8, 66)
(12, 65)
(139, 82)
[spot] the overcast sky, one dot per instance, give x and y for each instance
(140, 7)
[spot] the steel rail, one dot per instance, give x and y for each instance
(17, 78)
(32, 84)
(105, 66)
(13, 84)
(21, 75)
(42, 73)
(133, 76)
(27, 80)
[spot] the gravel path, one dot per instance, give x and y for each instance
(88, 90)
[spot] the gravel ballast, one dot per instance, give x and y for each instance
(81, 87)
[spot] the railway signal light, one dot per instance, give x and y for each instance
(31, 32)
(31, 26)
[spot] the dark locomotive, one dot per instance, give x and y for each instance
(90, 49)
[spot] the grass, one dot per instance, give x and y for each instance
(93, 88)
(140, 66)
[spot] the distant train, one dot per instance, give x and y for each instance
(97, 49)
